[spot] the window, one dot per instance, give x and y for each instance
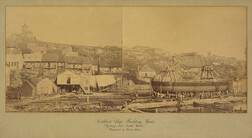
(68, 80)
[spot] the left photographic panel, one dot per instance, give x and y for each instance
(63, 59)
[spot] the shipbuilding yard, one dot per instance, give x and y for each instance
(53, 77)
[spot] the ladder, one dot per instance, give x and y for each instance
(84, 84)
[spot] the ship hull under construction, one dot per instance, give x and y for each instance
(164, 87)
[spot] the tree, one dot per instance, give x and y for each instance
(16, 80)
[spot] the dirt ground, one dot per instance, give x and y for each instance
(70, 102)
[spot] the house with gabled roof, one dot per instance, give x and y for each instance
(145, 72)
(46, 86)
(28, 88)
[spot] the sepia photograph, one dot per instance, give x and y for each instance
(126, 59)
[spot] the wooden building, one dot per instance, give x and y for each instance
(145, 73)
(14, 59)
(46, 86)
(68, 81)
(32, 61)
(74, 63)
(51, 63)
(28, 89)
(71, 82)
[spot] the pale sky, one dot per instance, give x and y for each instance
(99, 26)
(219, 30)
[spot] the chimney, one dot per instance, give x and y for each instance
(99, 65)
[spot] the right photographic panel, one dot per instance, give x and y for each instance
(185, 59)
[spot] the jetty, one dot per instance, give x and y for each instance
(187, 102)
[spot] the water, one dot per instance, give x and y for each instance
(232, 107)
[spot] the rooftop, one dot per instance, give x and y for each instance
(109, 62)
(146, 68)
(52, 58)
(74, 59)
(13, 51)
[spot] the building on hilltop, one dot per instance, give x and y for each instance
(27, 35)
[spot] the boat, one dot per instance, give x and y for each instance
(170, 81)
(213, 104)
(198, 104)
(163, 87)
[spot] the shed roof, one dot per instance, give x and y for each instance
(69, 73)
(46, 81)
(105, 80)
(30, 82)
